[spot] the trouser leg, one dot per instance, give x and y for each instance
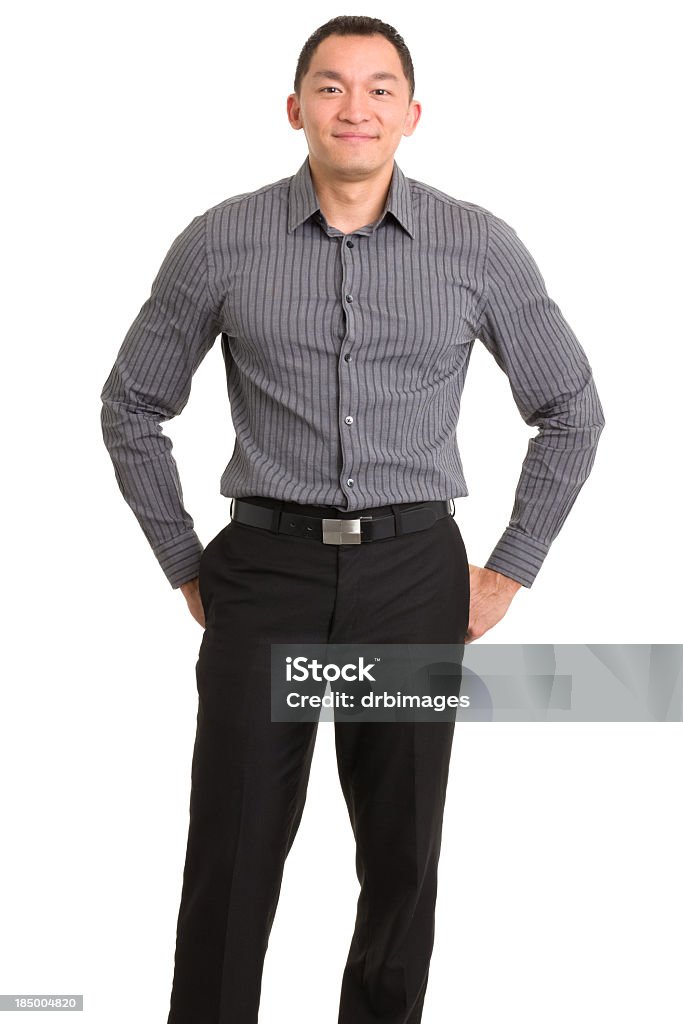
(414, 589)
(249, 774)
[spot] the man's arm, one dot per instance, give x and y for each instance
(553, 387)
(150, 383)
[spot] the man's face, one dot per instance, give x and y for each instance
(353, 121)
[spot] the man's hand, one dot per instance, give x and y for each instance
(190, 591)
(490, 596)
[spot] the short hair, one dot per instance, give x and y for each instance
(354, 25)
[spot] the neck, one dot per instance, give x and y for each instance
(350, 203)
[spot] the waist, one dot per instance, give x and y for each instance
(331, 511)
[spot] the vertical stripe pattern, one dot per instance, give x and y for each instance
(345, 359)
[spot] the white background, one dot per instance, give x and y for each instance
(560, 889)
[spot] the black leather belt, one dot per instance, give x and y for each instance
(333, 530)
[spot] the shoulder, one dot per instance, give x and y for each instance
(274, 191)
(483, 227)
(421, 190)
(493, 224)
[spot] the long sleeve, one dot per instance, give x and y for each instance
(553, 388)
(150, 383)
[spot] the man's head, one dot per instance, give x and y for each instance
(354, 77)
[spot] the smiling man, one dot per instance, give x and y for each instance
(348, 298)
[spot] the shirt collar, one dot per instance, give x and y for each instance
(303, 200)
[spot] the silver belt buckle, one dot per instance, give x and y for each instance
(342, 531)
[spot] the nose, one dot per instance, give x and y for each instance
(355, 107)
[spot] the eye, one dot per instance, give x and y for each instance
(326, 87)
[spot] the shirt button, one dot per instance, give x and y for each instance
(348, 358)
(349, 298)
(350, 245)
(348, 419)
(350, 481)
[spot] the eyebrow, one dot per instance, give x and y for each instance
(378, 75)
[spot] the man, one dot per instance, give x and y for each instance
(348, 298)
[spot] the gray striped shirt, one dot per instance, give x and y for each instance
(345, 356)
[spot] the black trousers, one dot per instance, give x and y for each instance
(250, 774)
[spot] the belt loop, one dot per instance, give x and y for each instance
(232, 502)
(277, 513)
(397, 519)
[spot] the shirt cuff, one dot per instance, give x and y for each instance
(179, 557)
(518, 556)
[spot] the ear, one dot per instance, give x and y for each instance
(412, 117)
(294, 111)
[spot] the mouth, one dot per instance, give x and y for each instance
(350, 137)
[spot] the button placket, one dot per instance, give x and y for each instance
(347, 399)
